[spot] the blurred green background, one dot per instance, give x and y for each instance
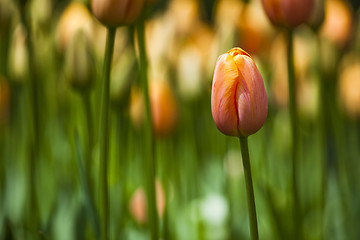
(51, 55)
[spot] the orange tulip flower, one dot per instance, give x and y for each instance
(238, 99)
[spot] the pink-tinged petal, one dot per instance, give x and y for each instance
(251, 96)
(223, 102)
(296, 12)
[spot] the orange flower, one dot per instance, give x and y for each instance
(338, 22)
(76, 17)
(238, 99)
(163, 108)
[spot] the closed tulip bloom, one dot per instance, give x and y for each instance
(239, 102)
(76, 17)
(338, 23)
(116, 12)
(289, 13)
(164, 110)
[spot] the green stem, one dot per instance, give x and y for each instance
(322, 132)
(104, 134)
(149, 141)
(249, 188)
(35, 136)
(295, 138)
(85, 96)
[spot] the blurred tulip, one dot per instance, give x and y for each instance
(184, 14)
(238, 98)
(18, 56)
(114, 13)
(288, 13)
(138, 207)
(74, 18)
(41, 13)
(4, 99)
(318, 14)
(164, 109)
(6, 12)
(349, 86)
(227, 13)
(338, 23)
(254, 29)
(80, 63)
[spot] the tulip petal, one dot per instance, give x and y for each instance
(223, 96)
(251, 96)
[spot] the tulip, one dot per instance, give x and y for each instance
(318, 14)
(338, 23)
(349, 86)
(18, 62)
(288, 13)
(163, 108)
(75, 17)
(238, 99)
(255, 30)
(80, 64)
(6, 13)
(114, 13)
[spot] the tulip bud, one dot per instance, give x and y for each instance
(349, 85)
(18, 56)
(75, 17)
(116, 12)
(318, 14)
(239, 102)
(138, 203)
(163, 108)
(338, 23)
(288, 13)
(6, 13)
(79, 63)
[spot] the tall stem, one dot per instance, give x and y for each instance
(104, 134)
(33, 86)
(149, 142)
(85, 96)
(295, 138)
(322, 132)
(249, 188)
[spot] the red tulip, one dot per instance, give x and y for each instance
(238, 98)
(289, 13)
(116, 12)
